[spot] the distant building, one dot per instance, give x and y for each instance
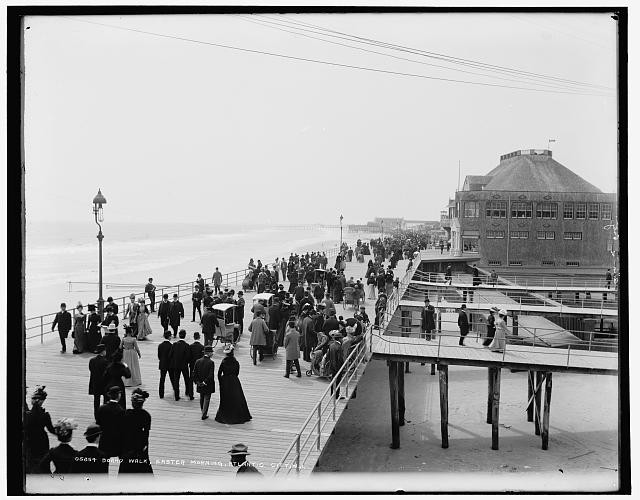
(531, 211)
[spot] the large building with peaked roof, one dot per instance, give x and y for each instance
(532, 212)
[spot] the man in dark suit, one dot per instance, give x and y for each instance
(200, 283)
(91, 460)
(204, 378)
(275, 316)
(463, 323)
(176, 312)
(427, 323)
(164, 358)
(97, 366)
(63, 320)
(111, 306)
(197, 350)
(179, 365)
(150, 290)
(209, 322)
(163, 312)
(110, 418)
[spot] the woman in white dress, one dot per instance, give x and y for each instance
(130, 356)
(500, 339)
(142, 320)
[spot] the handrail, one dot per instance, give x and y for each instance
(353, 362)
(41, 321)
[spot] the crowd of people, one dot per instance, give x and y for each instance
(301, 317)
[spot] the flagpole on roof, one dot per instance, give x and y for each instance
(549, 143)
(458, 175)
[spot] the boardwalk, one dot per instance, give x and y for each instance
(181, 444)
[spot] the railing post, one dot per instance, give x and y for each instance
(334, 398)
(319, 424)
(568, 354)
(298, 454)
(439, 341)
(41, 329)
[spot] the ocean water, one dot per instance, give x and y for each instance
(59, 253)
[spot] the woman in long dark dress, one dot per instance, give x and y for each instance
(137, 423)
(36, 438)
(113, 376)
(93, 328)
(233, 405)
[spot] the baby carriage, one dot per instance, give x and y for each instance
(320, 365)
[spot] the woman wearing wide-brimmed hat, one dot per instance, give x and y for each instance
(93, 328)
(233, 405)
(130, 356)
(37, 422)
(500, 340)
(62, 455)
(142, 320)
(79, 330)
(135, 445)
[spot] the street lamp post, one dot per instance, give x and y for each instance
(98, 201)
(341, 233)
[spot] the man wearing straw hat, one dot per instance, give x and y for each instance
(239, 454)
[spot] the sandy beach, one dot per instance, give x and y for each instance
(582, 443)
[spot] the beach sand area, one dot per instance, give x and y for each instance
(583, 434)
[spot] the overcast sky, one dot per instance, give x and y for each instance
(173, 130)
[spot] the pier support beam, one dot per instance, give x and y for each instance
(489, 394)
(495, 409)
(401, 394)
(443, 372)
(433, 369)
(529, 394)
(545, 416)
(395, 410)
(537, 398)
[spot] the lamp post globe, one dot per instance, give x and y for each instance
(98, 201)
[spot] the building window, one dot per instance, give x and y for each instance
(546, 235)
(472, 209)
(548, 263)
(572, 236)
(606, 211)
(496, 209)
(515, 262)
(495, 263)
(495, 234)
(519, 235)
(568, 211)
(521, 210)
(573, 263)
(594, 211)
(581, 210)
(547, 210)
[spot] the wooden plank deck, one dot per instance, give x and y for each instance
(180, 443)
(516, 356)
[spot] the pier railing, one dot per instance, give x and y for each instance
(39, 326)
(308, 441)
(528, 280)
(572, 351)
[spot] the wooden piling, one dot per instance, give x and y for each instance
(529, 394)
(433, 369)
(395, 414)
(545, 415)
(489, 394)
(495, 409)
(401, 394)
(537, 399)
(443, 372)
